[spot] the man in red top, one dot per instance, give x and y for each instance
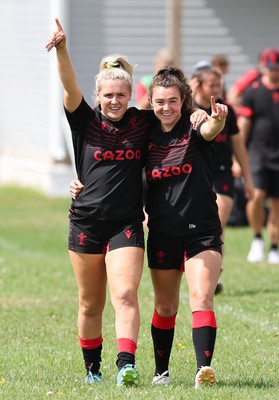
(259, 125)
(239, 87)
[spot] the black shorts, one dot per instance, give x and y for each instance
(170, 252)
(223, 181)
(267, 180)
(90, 236)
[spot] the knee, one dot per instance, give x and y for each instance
(125, 297)
(257, 200)
(201, 301)
(166, 309)
(91, 309)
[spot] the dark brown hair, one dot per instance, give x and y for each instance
(202, 72)
(173, 77)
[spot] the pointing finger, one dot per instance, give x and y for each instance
(59, 26)
(213, 104)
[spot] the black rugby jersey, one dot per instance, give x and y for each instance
(222, 143)
(109, 161)
(179, 168)
(261, 105)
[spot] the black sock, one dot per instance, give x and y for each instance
(92, 359)
(162, 345)
(258, 236)
(124, 358)
(274, 247)
(204, 341)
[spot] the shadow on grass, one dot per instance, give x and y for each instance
(250, 292)
(248, 384)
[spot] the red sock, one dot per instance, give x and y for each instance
(91, 350)
(126, 352)
(204, 329)
(90, 343)
(162, 332)
(163, 322)
(126, 345)
(203, 318)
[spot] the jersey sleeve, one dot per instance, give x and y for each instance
(231, 121)
(77, 118)
(246, 108)
(198, 132)
(246, 80)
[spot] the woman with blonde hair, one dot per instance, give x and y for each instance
(106, 239)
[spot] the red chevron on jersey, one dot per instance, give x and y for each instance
(128, 233)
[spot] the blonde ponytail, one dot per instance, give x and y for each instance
(114, 67)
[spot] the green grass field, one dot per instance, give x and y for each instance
(39, 353)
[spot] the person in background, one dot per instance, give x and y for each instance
(207, 83)
(162, 59)
(236, 91)
(259, 126)
(184, 226)
(222, 64)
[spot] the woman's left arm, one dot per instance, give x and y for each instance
(216, 121)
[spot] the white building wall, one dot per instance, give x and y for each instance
(33, 131)
(240, 29)
(28, 155)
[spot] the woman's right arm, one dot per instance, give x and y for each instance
(75, 188)
(67, 74)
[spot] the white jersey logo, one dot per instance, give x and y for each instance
(192, 226)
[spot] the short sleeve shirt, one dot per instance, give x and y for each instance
(261, 105)
(109, 161)
(179, 169)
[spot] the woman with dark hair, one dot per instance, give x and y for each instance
(184, 227)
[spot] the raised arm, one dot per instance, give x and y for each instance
(216, 121)
(67, 74)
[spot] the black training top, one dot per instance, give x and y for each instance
(222, 143)
(179, 169)
(261, 105)
(109, 158)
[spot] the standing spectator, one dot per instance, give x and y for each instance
(184, 226)
(222, 64)
(259, 126)
(236, 91)
(162, 59)
(226, 144)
